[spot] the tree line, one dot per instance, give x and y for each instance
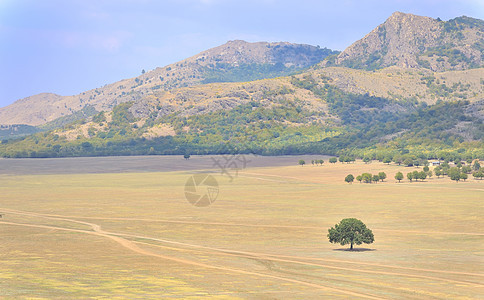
(456, 173)
(367, 177)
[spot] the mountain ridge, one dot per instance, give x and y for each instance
(46, 107)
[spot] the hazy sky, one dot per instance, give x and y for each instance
(69, 46)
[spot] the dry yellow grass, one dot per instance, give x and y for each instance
(264, 236)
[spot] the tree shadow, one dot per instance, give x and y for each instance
(354, 249)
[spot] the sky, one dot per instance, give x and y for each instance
(70, 46)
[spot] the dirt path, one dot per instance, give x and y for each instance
(276, 257)
(261, 258)
(430, 232)
(240, 224)
(282, 258)
(264, 179)
(285, 177)
(133, 247)
(272, 175)
(269, 256)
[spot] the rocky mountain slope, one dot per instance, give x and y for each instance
(410, 41)
(233, 61)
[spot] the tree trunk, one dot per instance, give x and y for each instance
(351, 247)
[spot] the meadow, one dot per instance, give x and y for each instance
(127, 231)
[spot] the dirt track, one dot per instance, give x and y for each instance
(120, 238)
(131, 246)
(241, 224)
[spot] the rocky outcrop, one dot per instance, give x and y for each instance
(410, 41)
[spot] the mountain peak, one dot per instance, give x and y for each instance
(236, 42)
(240, 52)
(412, 41)
(401, 15)
(398, 15)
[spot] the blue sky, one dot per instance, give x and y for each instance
(69, 46)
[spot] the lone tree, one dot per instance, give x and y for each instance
(350, 231)
(399, 176)
(186, 156)
(301, 162)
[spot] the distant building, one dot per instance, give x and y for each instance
(436, 163)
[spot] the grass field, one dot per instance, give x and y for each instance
(134, 235)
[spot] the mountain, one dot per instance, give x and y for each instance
(231, 62)
(403, 40)
(410, 41)
(328, 108)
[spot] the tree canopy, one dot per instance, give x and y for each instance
(350, 231)
(349, 178)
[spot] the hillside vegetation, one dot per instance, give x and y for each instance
(291, 115)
